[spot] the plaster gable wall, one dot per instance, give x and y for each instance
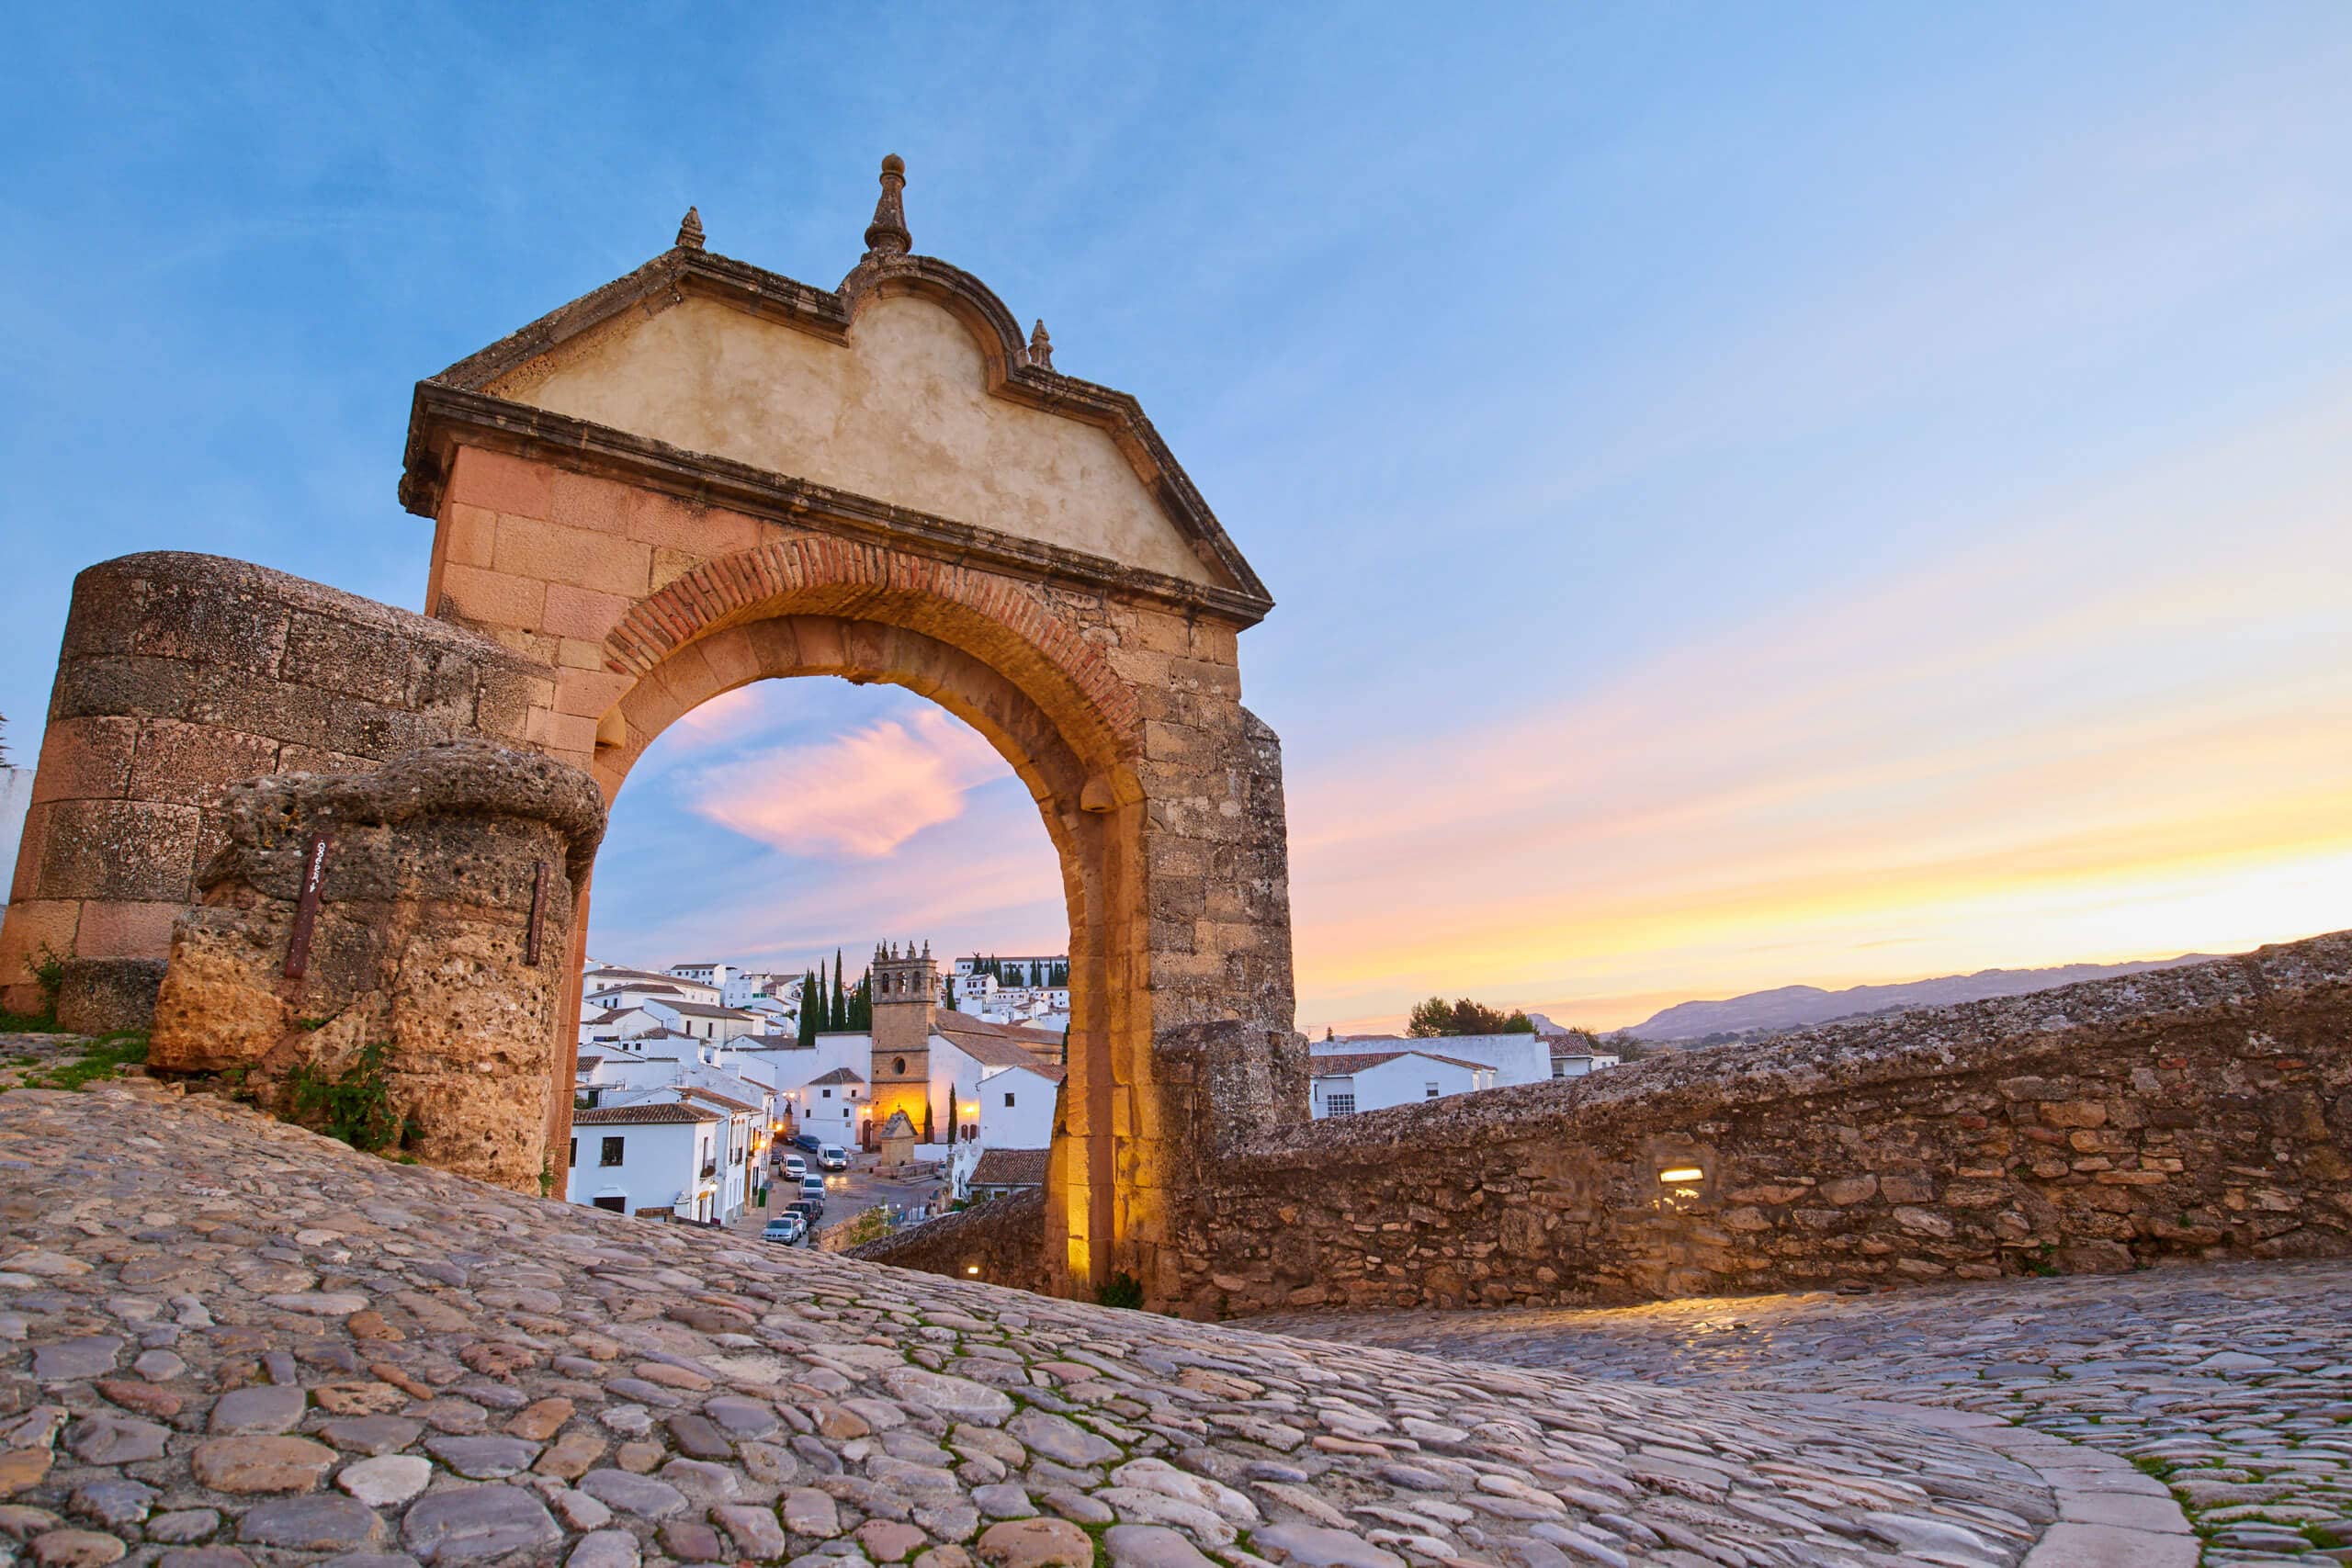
(902, 414)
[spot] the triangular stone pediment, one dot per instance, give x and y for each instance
(900, 410)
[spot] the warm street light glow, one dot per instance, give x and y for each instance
(971, 1268)
(1682, 1173)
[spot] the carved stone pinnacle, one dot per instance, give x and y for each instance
(887, 235)
(1041, 347)
(690, 229)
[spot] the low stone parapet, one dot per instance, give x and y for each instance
(1002, 1241)
(2202, 1111)
(401, 934)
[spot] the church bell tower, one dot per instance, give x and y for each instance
(906, 1000)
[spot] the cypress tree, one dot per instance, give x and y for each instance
(810, 991)
(841, 1002)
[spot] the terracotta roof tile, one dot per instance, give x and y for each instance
(641, 1115)
(1011, 1168)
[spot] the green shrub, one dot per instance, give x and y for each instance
(96, 1063)
(355, 1106)
(47, 971)
(1121, 1290)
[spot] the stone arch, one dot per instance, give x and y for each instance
(980, 611)
(1060, 747)
(704, 473)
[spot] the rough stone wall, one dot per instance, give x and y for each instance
(1004, 1239)
(435, 868)
(182, 674)
(2197, 1112)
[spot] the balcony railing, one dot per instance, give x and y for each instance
(710, 1169)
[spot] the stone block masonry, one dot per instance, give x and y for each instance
(183, 673)
(2201, 1113)
(1002, 1242)
(446, 882)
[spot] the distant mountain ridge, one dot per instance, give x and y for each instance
(1794, 1007)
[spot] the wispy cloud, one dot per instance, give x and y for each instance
(2101, 731)
(861, 795)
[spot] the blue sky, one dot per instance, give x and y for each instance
(1800, 493)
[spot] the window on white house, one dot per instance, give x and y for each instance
(575, 1154)
(1430, 1091)
(1008, 1098)
(829, 1094)
(612, 1152)
(1339, 1104)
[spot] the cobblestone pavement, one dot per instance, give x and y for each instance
(2232, 1382)
(224, 1341)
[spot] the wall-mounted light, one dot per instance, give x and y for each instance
(1682, 1174)
(971, 1268)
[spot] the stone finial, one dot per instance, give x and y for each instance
(690, 229)
(887, 235)
(1041, 347)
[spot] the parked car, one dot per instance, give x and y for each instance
(794, 1167)
(809, 1141)
(832, 1157)
(809, 1212)
(812, 1187)
(787, 1228)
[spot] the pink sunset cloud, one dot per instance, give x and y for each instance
(860, 795)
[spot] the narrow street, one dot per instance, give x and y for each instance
(847, 1194)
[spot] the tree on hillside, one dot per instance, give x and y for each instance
(1437, 1017)
(810, 989)
(840, 1003)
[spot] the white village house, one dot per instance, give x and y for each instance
(1343, 1083)
(646, 1160)
(698, 1092)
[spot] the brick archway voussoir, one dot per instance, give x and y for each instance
(815, 574)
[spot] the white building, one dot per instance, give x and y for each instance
(742, 1148)
(703, 1021)
(647, 1159)
(1515, 1059)
(1026, 970)
(666, 1068)
(1016, 1107)
(15, 801)
(793, 1071)
(1573, 1056)
(833, 1108)
(776, 1015)
(743, 990)
(627, 987)
(963, 1051)
(1340, 1084)
(712, 975)
(1001, 1173)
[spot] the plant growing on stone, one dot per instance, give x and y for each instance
(1121, 1290)
(96, 1063)
(46, 969)
(355, 1106)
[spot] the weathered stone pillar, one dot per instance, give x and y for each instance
(178, 675)
(441, 932)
